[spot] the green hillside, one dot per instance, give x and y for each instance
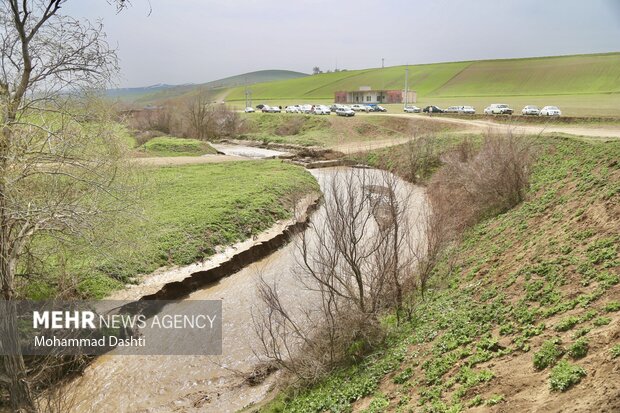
(157, 93)
(563, 75)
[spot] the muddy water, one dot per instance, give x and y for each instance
(202, 383)
(247, 151)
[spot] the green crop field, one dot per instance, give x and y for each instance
(580, 85)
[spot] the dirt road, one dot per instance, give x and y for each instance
(606, 131)
(186, 160)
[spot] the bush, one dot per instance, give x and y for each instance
(549, 353)
(615, 351)
(602, 321)
(578, 349)
(566, 324)
(612, 306)
(471, 186)
(565, 375)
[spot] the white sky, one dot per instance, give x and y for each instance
(194, 41)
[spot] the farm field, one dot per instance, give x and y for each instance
(582, 85)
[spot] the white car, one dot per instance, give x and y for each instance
(292, 109)
(467, 110)
(345, 111)
(498, 109)
(550, 111)
(325, 110)
(412, 109)
(360, 108)
(319, 110)
(530, 110)
(271, 109)
(249, 109)
(305, 108)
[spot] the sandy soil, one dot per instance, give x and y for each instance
(186, 160)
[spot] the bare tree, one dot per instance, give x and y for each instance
(208, 121)
(58, 160)
(356, 259)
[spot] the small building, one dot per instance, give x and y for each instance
(366, 95)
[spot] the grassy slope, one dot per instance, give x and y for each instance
(547, 269)
(188, 211)
(146, 94)
(581, 85)
(313, 130)
(171, 146)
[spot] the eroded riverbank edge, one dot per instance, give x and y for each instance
(173, 283)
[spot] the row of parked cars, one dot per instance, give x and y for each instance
(341, 110)
(494, 109)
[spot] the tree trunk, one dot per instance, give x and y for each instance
(14, 366)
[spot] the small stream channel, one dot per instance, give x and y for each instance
(205, 383)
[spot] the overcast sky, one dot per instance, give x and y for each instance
(194, 41)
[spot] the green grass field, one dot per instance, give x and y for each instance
(171, 146)
(581, 85)
(328, 131)
(187, 211)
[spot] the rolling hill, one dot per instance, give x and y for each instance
(159, 92)
(580, 84)
(581, 74)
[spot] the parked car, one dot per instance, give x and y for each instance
(335, 107)
(292, 109)
(260, 107)
(376, 108)
(345, 111)
(498, 109)
(271, 109)
(326, 109)
(530, 110)
(467, 110)
(249, 109)
(433, 109)
(360, 108)
(550, 111)
(412, 109)
(305, 108)
(264, 108)
(321, 110)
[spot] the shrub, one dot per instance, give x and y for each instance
(471, 186)
(549, 353)
(578, 349)
(602, 321)
(567, 323)
(615, 351)
(612, 306)
(565, 375)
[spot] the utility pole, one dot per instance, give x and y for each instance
(406, 85)
(383, 63)
(248, 96)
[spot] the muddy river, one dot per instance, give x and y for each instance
(205, 383)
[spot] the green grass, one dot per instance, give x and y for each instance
(187, 212)
(520, 274)
(171, 146)
(329, 131)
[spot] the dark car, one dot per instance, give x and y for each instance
(259, 107)
(378, 108)
(433, 109)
